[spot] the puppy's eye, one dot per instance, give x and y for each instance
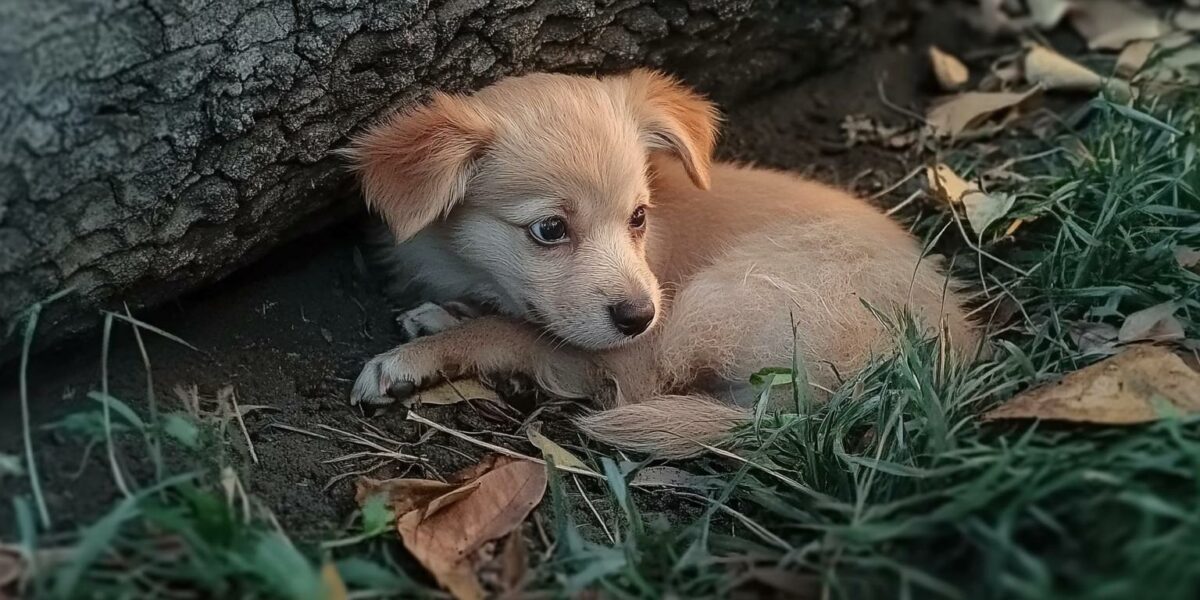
(549, 231)
(638, 220)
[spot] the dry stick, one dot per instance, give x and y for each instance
(108, 438)
(891, 188)
(297, 430)
(155, 441)
(909, 200)
(588, 501)
(237, 413)
(413, 416)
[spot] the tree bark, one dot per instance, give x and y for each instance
(148, 147)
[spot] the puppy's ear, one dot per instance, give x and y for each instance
(673, 117)
(415, 166)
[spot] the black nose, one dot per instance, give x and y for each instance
(632, 316)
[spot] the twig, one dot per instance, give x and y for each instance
(891, 188)
(413, 416)
(909, 200)
(588, 501)
(108, 438)
(237, 413)
(297, 430)
(155, 441)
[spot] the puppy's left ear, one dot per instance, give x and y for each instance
(675, 118)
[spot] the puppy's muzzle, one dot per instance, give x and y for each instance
(632, 317)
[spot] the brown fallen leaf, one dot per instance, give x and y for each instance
(1131, 59)
(404, 495)
(950, 72)
(1110, 24)
(952, 116)
(514, 564)
(445, 531)
(1157, 323)
(12, 567)
(982, 209)
(1093, 337)
(1125, 389)
(1188, 258)
(1054, 71)
(452, 392)
(562, 457)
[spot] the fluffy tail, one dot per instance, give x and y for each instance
(665, 426)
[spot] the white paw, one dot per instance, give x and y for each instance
(430, 318)
(384, 379)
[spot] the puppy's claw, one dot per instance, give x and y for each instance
(401, 390)
(381, 383)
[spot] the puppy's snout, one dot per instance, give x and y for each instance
(632, 316)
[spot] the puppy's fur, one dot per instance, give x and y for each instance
(730, 258)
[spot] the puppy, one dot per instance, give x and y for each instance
(614, 261)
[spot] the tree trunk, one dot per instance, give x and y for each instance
(148, 147)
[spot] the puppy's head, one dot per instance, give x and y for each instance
(542, 182)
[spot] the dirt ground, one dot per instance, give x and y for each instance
(292, 331)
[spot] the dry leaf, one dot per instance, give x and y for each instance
(404, 495)
(1121, 390)
(12, 566)
(1047, 13)
(950, 72)
(514, 564)
(335, 588)
(1188, 20)
(957, 114)
(1157, 323)
(1132, 58)
(982, 209)
(1188, 258)
(445, 542)
(1054, 71)
(947, 185)
(448, 499)
(1110, 24)
(1094, 337)
(452, 392)
(671, 477)
(562, 457)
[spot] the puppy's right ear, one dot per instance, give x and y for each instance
(415, 166)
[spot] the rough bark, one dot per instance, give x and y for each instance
(148, 147)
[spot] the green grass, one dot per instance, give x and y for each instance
(893, 488)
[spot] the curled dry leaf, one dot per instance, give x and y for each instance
(550, 450)
(1054, 71)
(1132, 58)
(12, 567)
(452, 392)
(951, 73)
(1093, 337)
(982, 209)
(1110, 24)
(1125, 389)
(954, 115)
(444, 525)
(1157, 324)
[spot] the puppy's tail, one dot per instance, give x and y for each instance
(665, 426)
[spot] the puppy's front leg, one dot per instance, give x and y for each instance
(485, 345)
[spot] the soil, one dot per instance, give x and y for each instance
(292, 331)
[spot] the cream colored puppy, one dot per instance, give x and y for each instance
(617, 263)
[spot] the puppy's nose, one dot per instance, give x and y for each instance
(632, 316)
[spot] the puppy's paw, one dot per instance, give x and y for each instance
(384, 380)
(430, 318)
